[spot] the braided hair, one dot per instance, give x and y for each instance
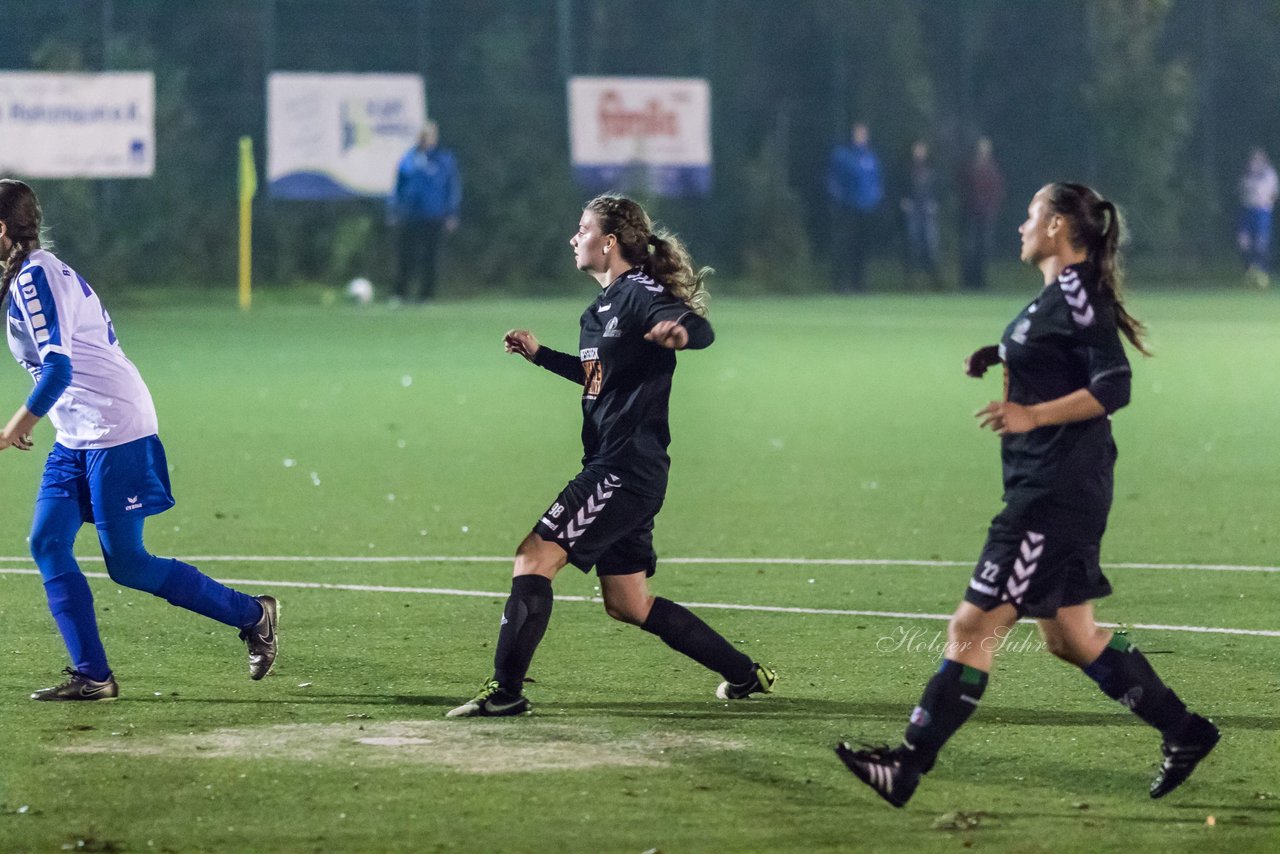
(657, 252)
(20, 213)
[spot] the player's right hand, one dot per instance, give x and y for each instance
(521, 342)
(979, 360)
(22, 442)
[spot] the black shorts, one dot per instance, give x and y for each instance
(1037, 566)
(600, 523)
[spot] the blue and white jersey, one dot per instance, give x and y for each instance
(52, 309)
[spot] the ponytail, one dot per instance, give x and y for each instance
(669, 262)
(20, 213)
(12, 264)
(1098, 228)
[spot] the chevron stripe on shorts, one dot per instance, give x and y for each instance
(587, 513)
(1024, 566)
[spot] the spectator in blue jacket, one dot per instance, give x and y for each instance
(424, 205)
(1259, 188)
(856, 187)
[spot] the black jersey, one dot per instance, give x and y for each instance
(626, 380)
(1066, 339)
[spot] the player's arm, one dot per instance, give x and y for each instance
(688, 331)
(1108, 389)
(1005, 417)
(523, 343)
(55, 376)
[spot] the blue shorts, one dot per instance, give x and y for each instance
(109, 483)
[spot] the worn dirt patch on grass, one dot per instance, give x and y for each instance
(466, 746)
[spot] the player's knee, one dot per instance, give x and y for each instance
(1060, 646)
(135, 569)
(535, 556)
(968, 629)
(48, 547)
(624, 613)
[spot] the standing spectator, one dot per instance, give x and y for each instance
(982, 187)
(425, 202)
(920, 217)
(856, 187)
(1258, 190)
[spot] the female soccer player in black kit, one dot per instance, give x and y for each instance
(1066, 372)
(651, 304)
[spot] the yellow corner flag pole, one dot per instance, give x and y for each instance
(248, 187)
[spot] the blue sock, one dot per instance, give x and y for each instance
(53, 535)
(188, 587)
(129, 563)
(71, 603)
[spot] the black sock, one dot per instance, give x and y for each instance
(948, 701)
(684, 632)
(1124, 674)
(524, 621)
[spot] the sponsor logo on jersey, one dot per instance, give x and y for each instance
(603, 308)
(132, 503)
(592, 379)
(611, 329)
(1020, 331)
(588, 353)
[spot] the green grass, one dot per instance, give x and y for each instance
(814, 428)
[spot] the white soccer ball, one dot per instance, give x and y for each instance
(360, 291)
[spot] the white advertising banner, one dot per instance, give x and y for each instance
(654, 129)
(335, 136)
(56, 125)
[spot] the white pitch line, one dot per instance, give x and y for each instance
(686, 561)
(722, 606)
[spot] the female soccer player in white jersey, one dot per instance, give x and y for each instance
(107, 465)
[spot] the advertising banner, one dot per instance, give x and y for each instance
(337, 136)
(654, 132)
(77, 125)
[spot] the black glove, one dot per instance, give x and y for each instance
(981, 359)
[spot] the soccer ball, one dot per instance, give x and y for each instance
(360, 291)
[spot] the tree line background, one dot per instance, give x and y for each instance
(1155, 102)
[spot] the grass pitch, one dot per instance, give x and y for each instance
(374, 467)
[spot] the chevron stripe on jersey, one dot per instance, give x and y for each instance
(1076, 296)
(587, 513)
(1024, 566)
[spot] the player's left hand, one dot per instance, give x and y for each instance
(1004, 417)
(669, 334)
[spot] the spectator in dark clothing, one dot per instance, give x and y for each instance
(424, 204)
(920, 218)
(856, 188)
(982, 187)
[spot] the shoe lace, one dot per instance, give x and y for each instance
(73, 676)
(879, 752)
(487, 690)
